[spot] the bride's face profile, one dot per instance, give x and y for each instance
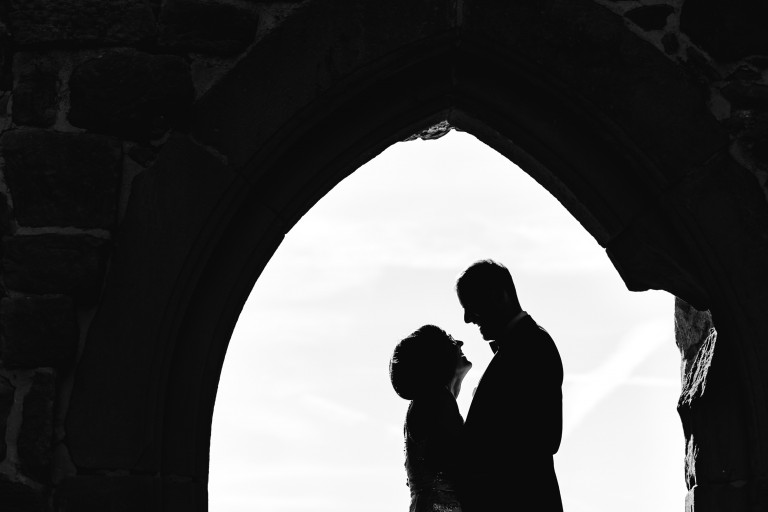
(462, 363)
(461, 368)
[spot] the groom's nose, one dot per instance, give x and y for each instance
(469, 317)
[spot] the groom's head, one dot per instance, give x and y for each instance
(487, 294)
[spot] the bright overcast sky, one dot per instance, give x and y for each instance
(306, 419)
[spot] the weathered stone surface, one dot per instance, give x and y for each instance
(648, 255)
(744, 94)
(751, 144)
(36, 433)
(102, 493)
(6, 57)
(62, 179)
(745, 72)
(5, 215)
(696, 367)
(20, 497)
(206, 27)
(650, 17)
(700, 66)
(124, 22)
(714, 411)
(433, 132)
(38, 332)
(143, 155)
(728, 31)
(670, 43)
(6, 402)
(35, 97)
(692, 326)
(66, 264)
(130, 94)
(591, 51)
(148, 263)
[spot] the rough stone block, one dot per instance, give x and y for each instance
(6, 402)
(728, 31)
(123, 22)
(692, 326)
(144, 155)
(5, 215)
(36, 433)
(6, 58)
(66, 264)
(102, 493)
(206, 27)
(650, 17)
(670, 43)
(38, 332)
(35, 97)
(746, 95)
(131, 94)
(20, 497)
(62, 179)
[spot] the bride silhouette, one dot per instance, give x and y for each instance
(427, 368)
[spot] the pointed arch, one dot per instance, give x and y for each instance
(601, 119)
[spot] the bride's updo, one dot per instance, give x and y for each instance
(422, 362)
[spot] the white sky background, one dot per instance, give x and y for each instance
(306, 419)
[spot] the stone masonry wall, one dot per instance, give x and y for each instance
(724, 49)
(89, 90)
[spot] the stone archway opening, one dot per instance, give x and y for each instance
(656, 187)
(633, 370)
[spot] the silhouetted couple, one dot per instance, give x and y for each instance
(500, 458)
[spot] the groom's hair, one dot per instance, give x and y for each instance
(422, 362)
(484, 277)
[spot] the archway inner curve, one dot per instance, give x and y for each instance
(290, 200)
(303, 387)
(614, 189)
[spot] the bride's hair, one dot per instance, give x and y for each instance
(423, 361)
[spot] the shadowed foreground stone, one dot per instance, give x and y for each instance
(35, 97)
(6, 402)
(130, 94)
(19, 497)
(726, 30)
(206, 27)
(692, 327)
(103, 493)
(36, 434)
(38, 331)
(66, 264)
(62, 179)
(650, 17)
(35, 22)
(6, 60)
(5, 215)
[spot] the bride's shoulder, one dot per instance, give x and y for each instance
(430, 414)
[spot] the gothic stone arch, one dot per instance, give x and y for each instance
(649, 130)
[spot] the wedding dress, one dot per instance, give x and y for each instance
(432, 429)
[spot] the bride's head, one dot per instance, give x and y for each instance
(427, 360)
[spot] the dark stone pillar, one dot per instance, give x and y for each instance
(716, 413)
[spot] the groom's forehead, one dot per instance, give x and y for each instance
(480, 291)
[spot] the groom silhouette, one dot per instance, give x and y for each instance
(514, 423)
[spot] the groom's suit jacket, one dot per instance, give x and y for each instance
(514, 426)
